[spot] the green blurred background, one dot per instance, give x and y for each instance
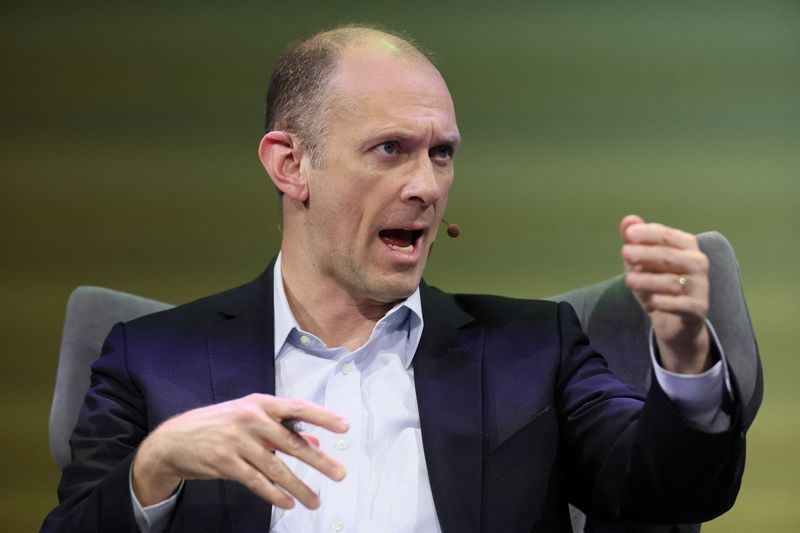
(128, 136)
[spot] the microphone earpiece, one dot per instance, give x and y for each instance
(453, 230)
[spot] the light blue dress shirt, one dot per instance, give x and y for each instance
(386, 488)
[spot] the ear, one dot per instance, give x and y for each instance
(281, 157)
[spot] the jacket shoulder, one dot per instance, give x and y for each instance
(255, 295)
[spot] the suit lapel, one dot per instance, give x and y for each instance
(448, 377)
(240, 355)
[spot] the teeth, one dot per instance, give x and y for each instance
(402, 249)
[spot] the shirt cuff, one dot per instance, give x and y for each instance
(153, 518)
(698, 397)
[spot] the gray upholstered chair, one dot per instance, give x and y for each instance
(607, 310)
(618, 329)
(91, 311)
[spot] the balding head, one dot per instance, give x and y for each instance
(298, 98)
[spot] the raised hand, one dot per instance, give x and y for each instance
(668, 275)
(235, 440)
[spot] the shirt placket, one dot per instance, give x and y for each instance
(343, 396)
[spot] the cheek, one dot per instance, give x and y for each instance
(446, 182)
(442, 203)
(332, 195)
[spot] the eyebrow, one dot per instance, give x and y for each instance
(403, 135)
(453, 140)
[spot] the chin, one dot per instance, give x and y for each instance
(394, 288)
(391, 294)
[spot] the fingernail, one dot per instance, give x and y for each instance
(343, 424)
(337, 473)
(313, 503)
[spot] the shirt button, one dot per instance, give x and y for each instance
(337, 525)
(342, 444)
(304, 340)
(347, 368)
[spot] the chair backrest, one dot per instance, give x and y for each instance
(608, 312)
(618, 328)
(91, 311)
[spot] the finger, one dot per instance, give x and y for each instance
(645, 282)
(663, 259)
(277, 472)
(255, 480)
(660, 234)
(276, 436)
(283, 408)
(628, 221)
(310, 439)
(685, 306)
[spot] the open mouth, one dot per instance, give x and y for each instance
(400, 240)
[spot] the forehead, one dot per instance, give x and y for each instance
(375, 85)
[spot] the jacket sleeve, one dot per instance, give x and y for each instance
(94, 492)
(643, 463)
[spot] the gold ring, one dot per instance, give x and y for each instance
(684, 283)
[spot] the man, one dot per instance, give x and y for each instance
(422, 411)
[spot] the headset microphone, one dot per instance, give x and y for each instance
(453, 230)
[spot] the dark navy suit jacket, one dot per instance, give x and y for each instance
(519, 416)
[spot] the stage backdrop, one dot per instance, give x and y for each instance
(128, 138)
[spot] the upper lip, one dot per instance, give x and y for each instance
(414, 226)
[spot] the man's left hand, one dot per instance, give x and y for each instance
(668, 275)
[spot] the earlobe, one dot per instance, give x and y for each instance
(281, 157)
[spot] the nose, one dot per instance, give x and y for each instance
(425, 185)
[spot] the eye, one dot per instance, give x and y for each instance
(388, 148)
(442, 151)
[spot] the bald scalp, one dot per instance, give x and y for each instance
(299, 97)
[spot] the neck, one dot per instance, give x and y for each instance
(326, 309)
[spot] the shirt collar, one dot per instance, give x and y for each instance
(285, 322)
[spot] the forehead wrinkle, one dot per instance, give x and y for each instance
(375, 119)
(425, 112)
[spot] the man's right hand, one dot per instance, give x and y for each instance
(235, 440)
